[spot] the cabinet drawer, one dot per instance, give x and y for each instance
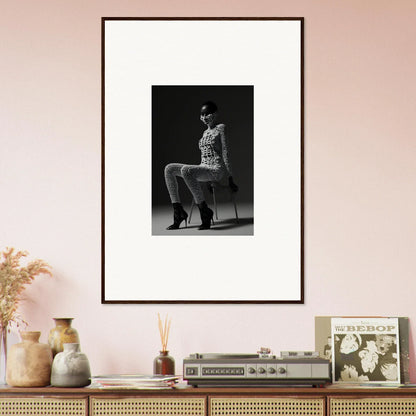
(41, 406)
(392, 406)
(158, 406)
(266, 406)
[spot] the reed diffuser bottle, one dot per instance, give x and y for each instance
(164, 364)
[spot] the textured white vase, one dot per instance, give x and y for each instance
(70, 368)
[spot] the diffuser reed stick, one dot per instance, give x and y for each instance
(164, 329)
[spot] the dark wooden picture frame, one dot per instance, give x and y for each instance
(266, 53)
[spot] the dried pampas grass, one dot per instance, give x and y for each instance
(13, 280)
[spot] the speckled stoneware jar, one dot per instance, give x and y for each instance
(63, 333)
(70, 368)
(29, 362)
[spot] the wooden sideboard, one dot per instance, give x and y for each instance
(294, 401)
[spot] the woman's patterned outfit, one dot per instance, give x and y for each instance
(214, 165)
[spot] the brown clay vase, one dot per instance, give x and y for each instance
(63, 333)
(29, 363)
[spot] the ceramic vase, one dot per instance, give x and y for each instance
(29, 362)
(63, 333)
(70, 368)
(164, 364)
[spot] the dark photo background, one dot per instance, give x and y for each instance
(176, 130)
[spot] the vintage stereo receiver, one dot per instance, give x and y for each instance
(291, 368)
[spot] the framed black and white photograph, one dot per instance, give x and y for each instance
(181, 135)
(202, 160)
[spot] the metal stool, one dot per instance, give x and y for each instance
(214, 186)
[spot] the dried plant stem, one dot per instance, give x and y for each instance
(4, 342)
(14, 278)
(164, 329)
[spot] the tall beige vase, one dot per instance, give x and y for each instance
(63, 333)
(29, 363)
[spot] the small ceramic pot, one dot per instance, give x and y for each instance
(61, 334)
(29, 362)
(70, 368)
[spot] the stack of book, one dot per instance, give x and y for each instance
(131, 381)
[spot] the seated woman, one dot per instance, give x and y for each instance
(214, 166)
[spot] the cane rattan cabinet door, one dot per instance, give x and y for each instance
(266, 406)
(378, 406)
(43, 406)
(147, 406)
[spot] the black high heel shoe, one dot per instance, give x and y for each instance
(206, 216)
(179, 215)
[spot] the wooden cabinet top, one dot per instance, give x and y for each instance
(205, 391)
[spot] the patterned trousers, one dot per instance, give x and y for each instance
(192, 175)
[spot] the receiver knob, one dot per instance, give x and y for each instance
(261, 370)
(251, 370)
(272, 370)
(281, 370)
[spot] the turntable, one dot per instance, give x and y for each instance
(262, 369)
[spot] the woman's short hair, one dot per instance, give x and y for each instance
(209, 107)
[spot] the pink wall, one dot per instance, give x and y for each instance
(360, 175)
